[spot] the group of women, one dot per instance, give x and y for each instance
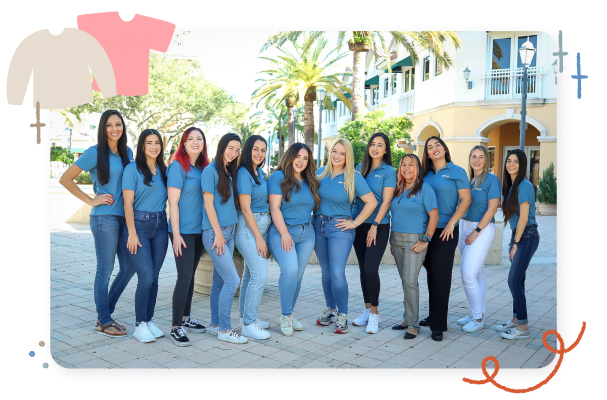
(424, 209)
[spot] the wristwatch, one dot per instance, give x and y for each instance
(355, 222)
(478, 229)
(375, 223)
(426, 239)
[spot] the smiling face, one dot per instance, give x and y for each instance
(231, 152)
(259, 152)
(436, 150)
(301, 161)
(338, 156)
(377, 149)
(408, 169)
(152, 146)
(512, 164)
(477, 160)
(113, 128)
(195, 143)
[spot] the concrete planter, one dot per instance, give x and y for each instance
(204, 274)
(546, 209)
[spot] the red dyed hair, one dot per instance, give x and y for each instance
(182, 157)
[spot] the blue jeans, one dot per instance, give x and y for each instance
(516, 277)
(225, 277)
(255, 273)
(292, 264)
(152, 230)
(107, 231)
(332, 248)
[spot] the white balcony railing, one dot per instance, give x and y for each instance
(406, 102)
(503, 84)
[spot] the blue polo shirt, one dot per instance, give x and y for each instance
(147, 198)
(490, 189)
(258, 192)
(226, 212)
(190, 201)
(410, 215)
(379, 178)
(299, 209)
(88, 163)
(334, 200)
(525, 193)
(446, 182)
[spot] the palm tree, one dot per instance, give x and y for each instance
(361, 42)
(297, 75)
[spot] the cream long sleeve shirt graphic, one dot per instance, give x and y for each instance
(60, 66)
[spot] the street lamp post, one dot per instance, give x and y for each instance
(526, 52)
(295, 111)
(320, 95)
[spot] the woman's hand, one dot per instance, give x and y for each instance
(262, 248)
(513, 251)
(286, 242)
(102, 199)
(371, 236)
(219, 244)
(133, 242)
(177, 243)
(419, 246)
(447, 231)
(345, 224)
(471, 237)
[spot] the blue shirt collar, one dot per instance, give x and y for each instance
(449, 166)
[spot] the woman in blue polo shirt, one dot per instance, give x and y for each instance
(414, 218)
(476, 235)
(519, 210)
(334, 228)
(293, 195)
(252, 234)
(372, 235)
(146, 236)
(185, 231)
(106, 162)
(219, 221)
(452, 189)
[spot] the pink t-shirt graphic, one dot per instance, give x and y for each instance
(128, 44)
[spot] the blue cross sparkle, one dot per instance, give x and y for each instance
(579, 78)
(560, 53)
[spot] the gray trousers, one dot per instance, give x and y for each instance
(409, 264)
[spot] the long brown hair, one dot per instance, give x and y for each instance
(290, 183)
(223, 185)
(367, 163)
(510, 189)
(419, 179)
(427, 165)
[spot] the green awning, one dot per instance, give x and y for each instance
(347, 95)
(397, 67)
(335, 103)
(372, 81)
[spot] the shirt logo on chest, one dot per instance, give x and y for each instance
(378, 176)
(445, 176)
(340, 182)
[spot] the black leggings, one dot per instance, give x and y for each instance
(439, 269)
(186, 269)
(369, 259)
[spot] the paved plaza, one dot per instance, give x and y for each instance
(75, 343)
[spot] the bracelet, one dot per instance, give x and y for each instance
(426, 239)
(477, 229)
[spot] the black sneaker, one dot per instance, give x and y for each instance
(192, 325)
(179, 338)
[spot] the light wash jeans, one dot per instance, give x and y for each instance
(292, 264)
(107, 232)
(225, 277)
(255, 273)
(473, 264)
(333, 246)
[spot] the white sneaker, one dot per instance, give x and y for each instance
(255, 331)
(143, 334)
(262, 324)
(373, 323)
(363, 318)
(286, 325)
(155, 330)
(232, 336)
(464, 321)
(506, 326)
(213, 330)
(515, 334)
(474, 326)
(297, 326)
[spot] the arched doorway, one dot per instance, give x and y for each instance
(429, 129)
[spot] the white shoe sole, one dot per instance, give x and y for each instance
(463, 321)
(286, 333)
(362, 323)
(373, 333)
(478, 328)
(150, 340)
(299, 328)
(515, 337)
(257, 337)
(180, 344)
(235, 341)
(199, 330)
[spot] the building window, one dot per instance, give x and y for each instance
(491, 150)
(394, 83)
(375, 96)
(438, 67)
(409, 83)
(426, 65)
(501, 53)
(386, 85)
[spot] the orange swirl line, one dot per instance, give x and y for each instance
(560, 352)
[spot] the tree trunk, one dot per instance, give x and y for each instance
(358, 84)
(290, 131)
(309, 99)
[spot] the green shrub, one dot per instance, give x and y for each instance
(547, 186)
(84, 177)
(58, 153)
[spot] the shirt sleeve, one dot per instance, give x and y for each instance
(175, 176)
(360, 185)
(244, 183)
(493, 191)
(209, 180)
(20, 70)
(525, 193)
(390, 178)
(129, 177)
(274, 183)
(129, 153)
(320, 170)
(429, 198)
(100, 65)
(359, 167)
(88, 160)
(461, 179)
(159, 33)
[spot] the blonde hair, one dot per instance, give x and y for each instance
(481, 179)
(349, 171)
